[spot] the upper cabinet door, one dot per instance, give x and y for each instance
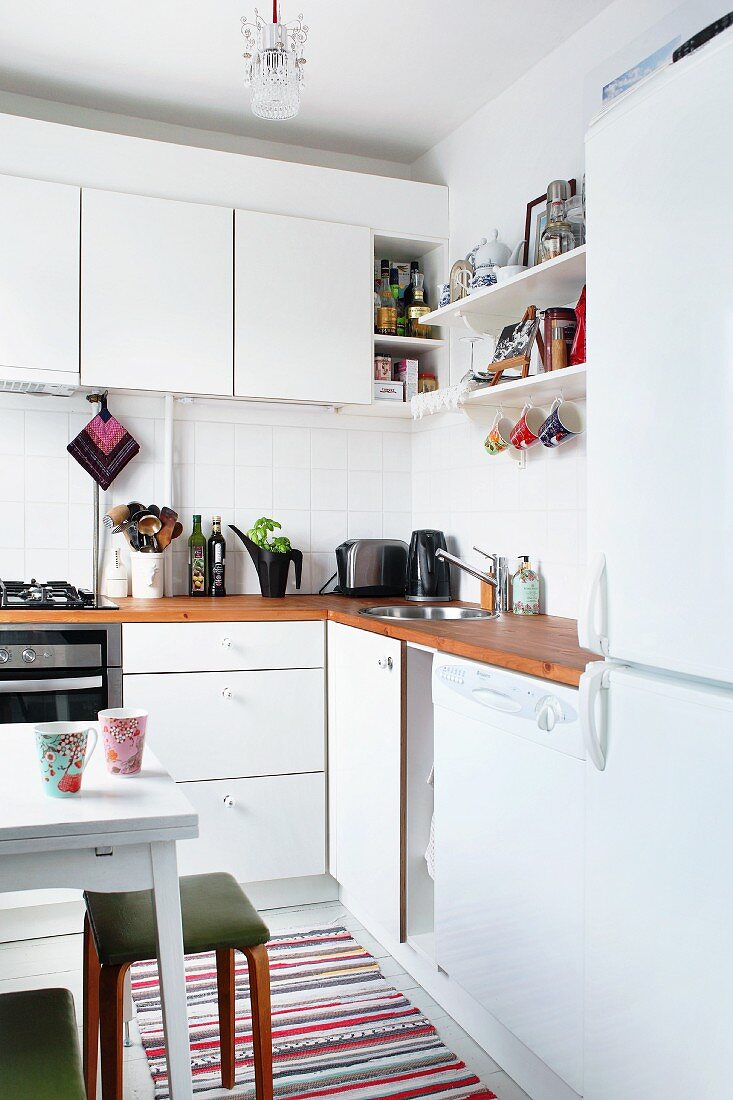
(39, 275)
(303, 309)
(156, 294)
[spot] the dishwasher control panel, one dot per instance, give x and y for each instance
(545, 704)
(502, 702)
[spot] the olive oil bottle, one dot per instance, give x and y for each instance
(197, 560)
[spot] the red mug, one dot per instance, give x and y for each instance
(526, 431)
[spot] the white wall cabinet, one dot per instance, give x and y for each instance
(303, 309)
(156, 294)
(39, 277)
(366, 773)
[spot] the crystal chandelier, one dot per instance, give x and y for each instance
(274, 63)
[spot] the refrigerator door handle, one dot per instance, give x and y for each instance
(589, 636)
(595, 679)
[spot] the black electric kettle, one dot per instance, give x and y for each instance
(428, 577)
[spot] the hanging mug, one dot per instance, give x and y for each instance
(499, 435)
(564, 422)
(526, 431)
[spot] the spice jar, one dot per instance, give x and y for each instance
(559, 328)
(382, 368)
(426, 383)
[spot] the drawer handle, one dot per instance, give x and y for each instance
(226, 643)
(229, 801)
(385, 662)
(227, 693)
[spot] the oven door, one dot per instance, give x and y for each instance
(76, 696)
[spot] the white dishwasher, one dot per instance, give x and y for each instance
(509, 810)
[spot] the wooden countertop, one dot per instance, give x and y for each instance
(542, 645)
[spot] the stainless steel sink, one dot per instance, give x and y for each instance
(426, 612)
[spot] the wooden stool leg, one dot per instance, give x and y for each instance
(90, 1027)
(225, 990)
(259, 990)
(111, 1002)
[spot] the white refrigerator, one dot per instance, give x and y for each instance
(657, 707)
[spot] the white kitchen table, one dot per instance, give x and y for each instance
(116, 834)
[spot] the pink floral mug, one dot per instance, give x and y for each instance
(123, 737)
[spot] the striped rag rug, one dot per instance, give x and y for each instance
(338, 1028)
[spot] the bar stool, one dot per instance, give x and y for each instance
(119, 930)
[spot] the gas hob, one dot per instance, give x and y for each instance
(46, 596)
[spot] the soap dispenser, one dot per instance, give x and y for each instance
(525, 589)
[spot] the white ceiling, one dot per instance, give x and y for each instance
(385, 78)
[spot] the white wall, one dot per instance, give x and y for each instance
(324, 476)
(496, 162)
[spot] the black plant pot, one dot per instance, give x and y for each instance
(272, 569)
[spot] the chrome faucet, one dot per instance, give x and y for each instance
(501, 576)
(497, 578)
(488, 578)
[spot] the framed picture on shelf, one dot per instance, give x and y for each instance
(534, 225)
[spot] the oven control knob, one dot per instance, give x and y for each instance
(29, 656)
(4, 656)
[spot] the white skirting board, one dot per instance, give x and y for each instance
(31, 922)
(529, 1071)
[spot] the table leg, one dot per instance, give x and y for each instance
(169, 937)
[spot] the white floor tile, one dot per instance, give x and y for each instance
(504, 1087)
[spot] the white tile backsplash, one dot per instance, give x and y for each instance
(321, 476)
(365, 450)
(488, 501)
(253, 445)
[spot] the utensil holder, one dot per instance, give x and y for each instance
(147, 575)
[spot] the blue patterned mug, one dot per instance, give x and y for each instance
(62, 755)
(564, 422)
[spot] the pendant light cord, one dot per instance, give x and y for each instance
(274, 11)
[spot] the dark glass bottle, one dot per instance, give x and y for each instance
(197, 560)
(409, 289)
(217, 559)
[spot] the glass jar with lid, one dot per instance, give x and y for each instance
(557, 236)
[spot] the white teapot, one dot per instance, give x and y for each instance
(491, 251)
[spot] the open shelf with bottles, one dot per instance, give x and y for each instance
(432, 354)
(555, 282)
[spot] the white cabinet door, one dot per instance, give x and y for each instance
(659, 893)
(156, 294)
(258, 829)
(39, 276)
(218, 725)
(304, 306)
(366, 761)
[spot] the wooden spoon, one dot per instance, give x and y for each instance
(168, 519)
(177, 530)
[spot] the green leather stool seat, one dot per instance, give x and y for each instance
(39, 1047)
(215, 910)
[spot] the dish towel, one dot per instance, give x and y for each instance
(430, 850)
(104, 447)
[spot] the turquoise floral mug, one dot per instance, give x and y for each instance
(62, 755)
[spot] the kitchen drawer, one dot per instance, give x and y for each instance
(218, 725)
(258, 829)
(217, 647)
